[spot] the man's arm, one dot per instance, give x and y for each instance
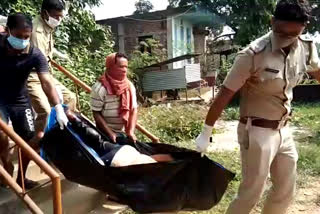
(133, 117)
(49, 88)
(239, 74)
(221, 101)
(132, 124)
(103, 126)
(42, 68)
(97, 103)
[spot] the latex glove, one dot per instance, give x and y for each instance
(61, 116)
(203, 140)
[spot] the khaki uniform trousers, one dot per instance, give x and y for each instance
(264, 151)
(40, 103)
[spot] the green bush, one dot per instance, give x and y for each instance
(231, 113)
(309, 159)
(172, 125)
(148, 52)
(224, 69)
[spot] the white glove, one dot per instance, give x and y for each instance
(61, 116)
(203, 140)
(62, 56)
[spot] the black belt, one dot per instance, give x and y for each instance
(264, 123)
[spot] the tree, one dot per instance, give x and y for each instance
(143, 6)
(248, 18)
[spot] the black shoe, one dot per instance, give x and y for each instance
(29, 184)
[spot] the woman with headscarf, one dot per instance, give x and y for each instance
(114, 101)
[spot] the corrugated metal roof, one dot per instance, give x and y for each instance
(160, 81)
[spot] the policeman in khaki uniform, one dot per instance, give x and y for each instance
(42, 37)
(265, 73)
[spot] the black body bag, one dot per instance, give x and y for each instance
(191, 182)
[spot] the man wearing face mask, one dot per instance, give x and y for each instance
(18, 57)
(42, 37)
(265, 73)
(114, 101)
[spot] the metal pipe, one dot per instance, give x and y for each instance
(57, 199)
(88, 90)
(19, 192)
(27, 150)
(21, 169)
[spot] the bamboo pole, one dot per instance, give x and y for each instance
(88, 90)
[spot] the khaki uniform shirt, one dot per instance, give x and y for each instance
(42, 37)
(266, 76)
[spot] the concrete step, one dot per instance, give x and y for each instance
(75, 198)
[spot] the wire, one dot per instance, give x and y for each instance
(159, 20)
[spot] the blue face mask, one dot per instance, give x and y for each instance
(18, 44)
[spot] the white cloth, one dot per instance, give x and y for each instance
(127, 156)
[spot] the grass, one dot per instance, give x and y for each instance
(306, 117)
(179, 125)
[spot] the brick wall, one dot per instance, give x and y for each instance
(134, 29)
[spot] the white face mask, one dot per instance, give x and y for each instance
(52, 22)
(282, 42)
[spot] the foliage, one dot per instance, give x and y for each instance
(224, 69)
(247, 24)
(149, 52)
(231, 113)
(87, 66)
(143, 6)
(250, 23)
(173, 124)
(79, 36)
(305, 116)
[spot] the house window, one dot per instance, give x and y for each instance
(182, 39)
(175, 40)
(189, 44)
(142, 43)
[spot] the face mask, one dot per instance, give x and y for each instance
(18, 44)
(282, 42)
(52, 22)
